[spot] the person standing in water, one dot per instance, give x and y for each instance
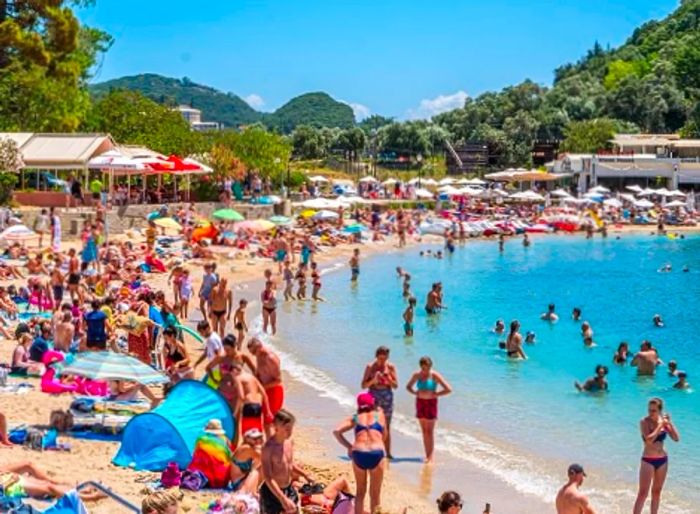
(501, 242)
(570, 500)
(526, 240)
(408, 317)
(550, 315)
(427, 386)
(646, 359)
(380, 379)
(433, 303)
(220, 306)
(316, 283)
(514, 342)
(355, 265)
(654, 465)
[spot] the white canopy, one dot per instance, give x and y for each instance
(675, 203)
(678, 193)
(325, 215)
(643, 204)
(628, 197)
(577, 201)
(599, 189)
(612, 202)
(368, 179)
(471, 191)
(447, 181)
(318, 178)
(390, 182)
(429, 182)
(350, 200)
(474, 182)
(423, 193)
(449, 190)
(529, 196)
(634, 188)
(647, 192)
(321, 203)
(560, 193)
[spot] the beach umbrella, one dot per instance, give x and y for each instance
(599, 189)
(262, 225)
(350, 200)
(474, 182)
(446, 181)
(448, 190)
(281, 220)
(325, 215)
(254, 225)
(675, 203)
(612, 202)
(529, 196)
(643, 204)
(307, 213)
(678, 193)
(368, 180)
(318, 178)
(390, 182)
(663, 192)
(17, 233)
(429, 182)
(113, 366)
(321, 203)
(647, 192)
(423, 193)
(167, 223)
(228, 215)
(560, 193)
(635, 188)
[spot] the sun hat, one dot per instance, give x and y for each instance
(365, 400)
(215, 427)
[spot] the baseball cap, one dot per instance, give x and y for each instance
(575, 469)
(365, 400)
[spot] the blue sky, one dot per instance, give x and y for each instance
(406, 59)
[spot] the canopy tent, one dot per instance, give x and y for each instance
(168, 433)
(59, 151)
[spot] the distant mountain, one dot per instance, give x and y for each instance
(315, 109)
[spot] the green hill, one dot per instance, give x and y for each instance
(315, 109)
(225, 108)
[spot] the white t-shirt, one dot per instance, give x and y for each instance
(213, 345)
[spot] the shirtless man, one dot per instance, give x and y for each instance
(646, 359)
(256, 406)
(220, 306)
(64, 333)
(57, 280)
(277, 494)
(269, 373)
(569, 499)
(433, 303)
(74, 275)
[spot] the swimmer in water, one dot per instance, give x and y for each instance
(646, 359)
(576, 314)
(514, 342)
(622, 353)
(672, 368)
(421, 254)
(438, 255)
(400, 272)
(682, 381)
(588, 342)
(665, 268)
(500, 327)
(686, 269)
(530, 337)
(433, 303)
(586, 330)
(550, 315)
(408, 317)
(658, 322)
(526, 240)
(595, 384)
(407, 286)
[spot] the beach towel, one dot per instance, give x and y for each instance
(69, 503)
(212, 457)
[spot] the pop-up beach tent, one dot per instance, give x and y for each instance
(168, 433)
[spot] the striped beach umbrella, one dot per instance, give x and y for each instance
(18, 233)
(113, 366)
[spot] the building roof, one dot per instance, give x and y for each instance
(59, 151)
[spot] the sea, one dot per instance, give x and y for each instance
(522, 422)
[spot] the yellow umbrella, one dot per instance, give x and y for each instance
(307, 213)
(167, 223)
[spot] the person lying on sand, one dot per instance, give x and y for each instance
(25, 480)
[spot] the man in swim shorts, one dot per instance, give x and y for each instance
(269, 373)
(209, 280)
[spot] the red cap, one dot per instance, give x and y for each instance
(365, 400)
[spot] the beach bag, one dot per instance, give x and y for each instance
(171, 476)
(193, 480)
(61, 421)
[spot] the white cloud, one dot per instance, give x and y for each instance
(361, 111)
(255, 101)
(430, 107)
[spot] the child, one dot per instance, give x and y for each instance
(301, 279)
(239, 322)
(408, 317)
(316, 281)
(288, 277)
(355, 264)
(185, 293)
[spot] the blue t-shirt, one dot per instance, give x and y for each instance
(96, 332)
(38, 348)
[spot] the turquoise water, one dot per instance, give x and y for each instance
(524, 421)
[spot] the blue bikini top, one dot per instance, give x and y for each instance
(374, 426)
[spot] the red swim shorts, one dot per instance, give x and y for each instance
(426, 409)
(275, 397)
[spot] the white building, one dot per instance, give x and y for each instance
(648, 160)
(194, 118)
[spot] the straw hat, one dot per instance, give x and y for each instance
(215, 427)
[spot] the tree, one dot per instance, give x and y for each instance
(589, 136)
(403, 138)
(352, 142)
(308, 143)
(45, 62)
(258, 150)
(374, 122)
(225, 164)
(10, 165)
(132, 118)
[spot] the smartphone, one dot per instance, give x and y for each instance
(487, 509)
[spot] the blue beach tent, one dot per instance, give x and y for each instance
(168, 433)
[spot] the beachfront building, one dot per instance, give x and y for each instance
(647, 160)
(194, 118)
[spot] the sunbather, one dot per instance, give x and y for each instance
(25, 480)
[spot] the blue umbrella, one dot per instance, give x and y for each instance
(113, 366)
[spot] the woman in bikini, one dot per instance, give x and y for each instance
(245, 463)
(514, 342)
(316, 281)
(175, 357)
(427, 386)
(269, 308)
(654, 466)
(367, 452)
